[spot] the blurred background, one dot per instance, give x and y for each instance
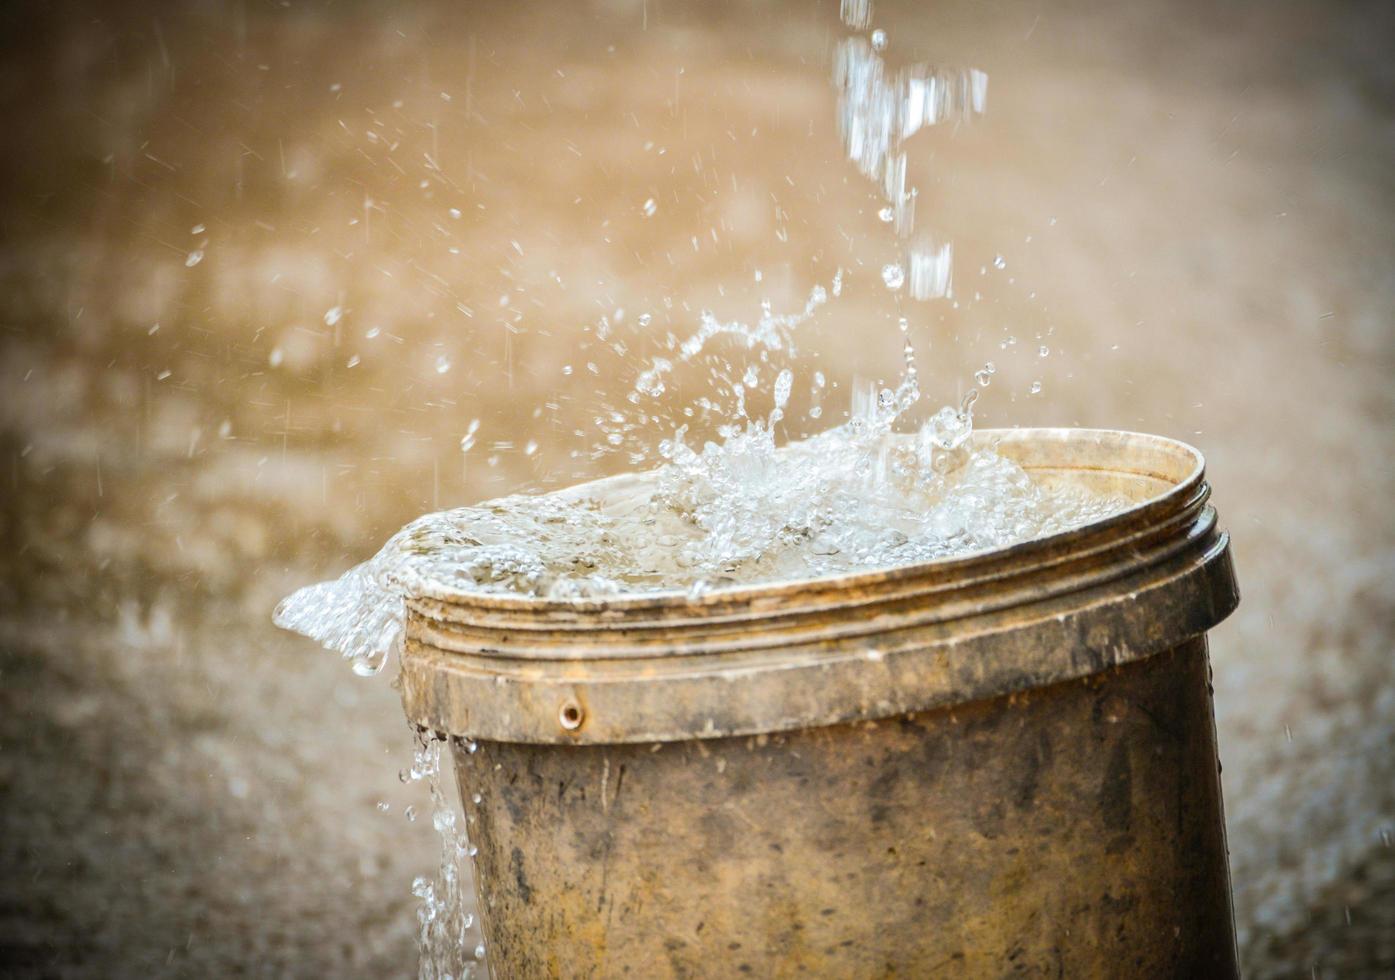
(263, 263)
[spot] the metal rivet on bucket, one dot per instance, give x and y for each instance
(570, 715)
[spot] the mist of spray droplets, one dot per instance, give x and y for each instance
(739, 510)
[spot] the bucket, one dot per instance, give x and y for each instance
(994, 764)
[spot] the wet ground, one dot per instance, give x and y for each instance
(410, 219)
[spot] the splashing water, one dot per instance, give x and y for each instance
(742, 510)
(853, 498)
(444, 926)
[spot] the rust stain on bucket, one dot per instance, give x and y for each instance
(995, 764)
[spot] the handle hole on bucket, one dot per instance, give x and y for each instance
(571, 715)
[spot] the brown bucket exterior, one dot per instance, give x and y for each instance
(996, 764)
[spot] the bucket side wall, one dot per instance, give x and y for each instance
(1074, 830)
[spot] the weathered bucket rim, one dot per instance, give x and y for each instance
(767, 593)
(761, 658)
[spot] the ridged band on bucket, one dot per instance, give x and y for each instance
(658, 667)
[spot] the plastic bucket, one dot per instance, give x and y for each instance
(995, 764)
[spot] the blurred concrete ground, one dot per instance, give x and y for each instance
(262, 264)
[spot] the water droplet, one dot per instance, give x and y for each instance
(467, 441)
(276, 357)
(193, 258)
(887, 215)
(196, 230)
(893, 275)
(1043, 351)
(783, 383)
(985, 375)
(644, 319)
(650, 207)
(372, 332)
(479, 951)
(567, 370)
(442, 363)
(1035, 389)
(476, 799)
(531, 448)
(879, 40)
(455, 213)
(384, 806)
(410, 813)
(333, 315)
(352, 362)
(999, 262)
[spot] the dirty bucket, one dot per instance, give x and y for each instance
(995, 764)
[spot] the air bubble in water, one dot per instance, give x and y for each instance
(479, 951)
(369, 665)
(893, 275)
(193, 258)
(1035, 389)
(985, 374)
(879, 40)
(887, 215)
(1043, 351)
(999, 262)
(650, 207)
(333, 315)
(442, 363)
(442, 820)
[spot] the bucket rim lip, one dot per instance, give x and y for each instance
(748, 593)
